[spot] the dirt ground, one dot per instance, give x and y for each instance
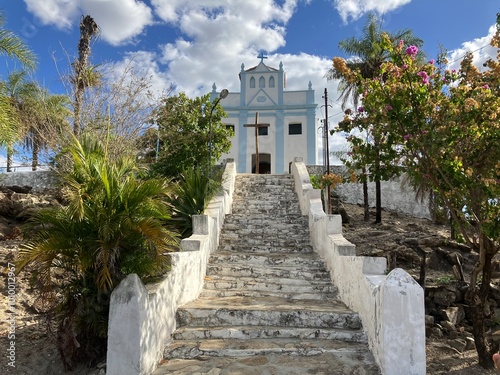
(35, 352)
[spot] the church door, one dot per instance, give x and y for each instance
(264, 164)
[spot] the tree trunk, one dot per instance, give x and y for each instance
(378, 192)
(477, 298)
(365, 196)
(378, 202)
(9, 158)
(35, 152)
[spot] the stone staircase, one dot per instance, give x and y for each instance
(268, 305)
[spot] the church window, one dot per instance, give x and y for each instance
(230, 128)
(262, 82)
(271, 81)
(263, 131)
(294, 129)
(252, 82)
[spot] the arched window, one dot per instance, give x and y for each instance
(252, 83)
(262, 82)
(271, 81)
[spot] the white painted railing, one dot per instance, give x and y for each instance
(390, 306)
(142, 318)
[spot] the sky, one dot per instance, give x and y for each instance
(192, 44)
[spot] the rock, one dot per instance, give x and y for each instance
(443, 295)
(437, 332)
(459, 344)
(448, 326)
(471, 344)
(429, 320)
(454, 314)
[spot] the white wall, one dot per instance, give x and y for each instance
(142, 318)
(390, 306)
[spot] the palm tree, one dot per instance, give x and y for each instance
(47, 121)
(88, 30)
(14, 48)
(367, 57)
(111, 225)
(16, 90)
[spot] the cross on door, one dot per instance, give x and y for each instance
(256, 126)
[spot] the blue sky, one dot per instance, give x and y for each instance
(195, 43)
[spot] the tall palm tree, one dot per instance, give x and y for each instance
(46, 120)
(14, 48)
(366, 57)
(88, 30)
(16, 90)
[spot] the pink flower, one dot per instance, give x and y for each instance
(431, 61)
(486, 87)
(404, 67)
(407, 136)
(424, 76)
(412, 51)
(389, 108)
(361, 109)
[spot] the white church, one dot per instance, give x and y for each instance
(287, 124)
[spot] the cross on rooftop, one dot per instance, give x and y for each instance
(261, 56)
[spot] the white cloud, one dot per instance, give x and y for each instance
(480, 47)
(354, 9)
(120, 20)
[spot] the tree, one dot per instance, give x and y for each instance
(46, 118)
(120, 105)
(447, 135)
(186, 127)
(38, 117)
(111, 224)
(368, 55)
(84, 76)
(13, 47)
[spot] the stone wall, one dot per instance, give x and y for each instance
(395, 195)
(142, 317)
(38, 180)
(390, 306)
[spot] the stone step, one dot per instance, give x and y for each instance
(270, 284)
(268, 332)
(280, 312)
(243, 220)
(294, 295)
(270, 239)
(253, 230)
(240, 348)
(268, 259)
(344, 363)
(227, 246)
(255, 271)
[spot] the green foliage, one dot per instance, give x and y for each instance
(445, 129)
(191, 134)
(315, 181)
(111, 224)
(190, 196)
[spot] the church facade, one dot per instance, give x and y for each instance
(281, 124)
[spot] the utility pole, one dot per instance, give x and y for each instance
(329, 211)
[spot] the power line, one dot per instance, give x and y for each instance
(461, 57)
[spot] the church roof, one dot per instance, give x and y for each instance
(260, 67)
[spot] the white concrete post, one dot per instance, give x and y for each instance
(127, 315)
